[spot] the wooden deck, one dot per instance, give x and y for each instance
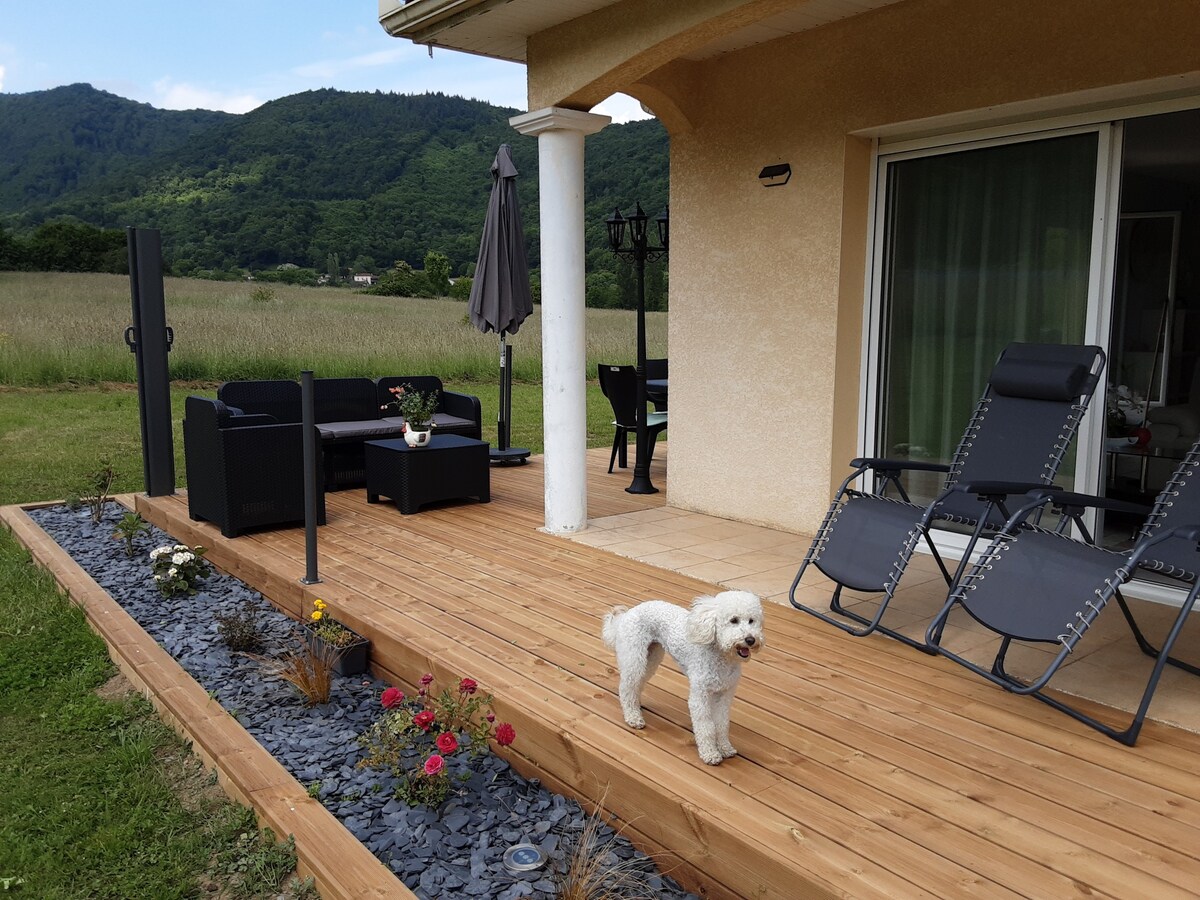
(866, 769)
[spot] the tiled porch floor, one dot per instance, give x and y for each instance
(1108, 667)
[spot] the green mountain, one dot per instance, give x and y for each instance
(371, 178)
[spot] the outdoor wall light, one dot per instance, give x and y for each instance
(775, 176)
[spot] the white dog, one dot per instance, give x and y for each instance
(709, 642)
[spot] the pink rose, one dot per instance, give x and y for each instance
(423, 719)
(434, 765)
(426, 680)
(392, 697)
(467, 686)
(491, 717)
(505, 734)
(447, 743)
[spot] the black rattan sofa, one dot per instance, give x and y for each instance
(348, 412)
(244, 450)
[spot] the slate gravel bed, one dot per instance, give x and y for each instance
(455, 851)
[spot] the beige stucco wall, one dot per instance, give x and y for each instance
(767, 283)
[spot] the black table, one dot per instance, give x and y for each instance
(656, 389)
(447, 468)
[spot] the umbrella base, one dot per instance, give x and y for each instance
(513, 456)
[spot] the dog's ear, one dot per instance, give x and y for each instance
(702, 622)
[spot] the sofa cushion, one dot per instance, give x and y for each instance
(341, 431)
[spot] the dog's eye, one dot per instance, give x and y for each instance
(733, 621)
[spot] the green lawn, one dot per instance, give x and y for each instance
(100, 799)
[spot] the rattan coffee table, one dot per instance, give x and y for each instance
(449, 467)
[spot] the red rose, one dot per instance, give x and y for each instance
(447, 743)
(434, 765)
(426, 680)
(392, 697)
(467, 686)
(491, 717)
(423, 719)
(505, 734)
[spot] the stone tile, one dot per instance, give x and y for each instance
(770, 583)
(595, 537)
(716, 572)
(766, 539)
(764, 561)
(716, 549)
(675, 560)
(636, 548)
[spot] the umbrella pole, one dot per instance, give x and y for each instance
(504, 454)
(502, 417)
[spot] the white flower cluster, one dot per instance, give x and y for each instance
(172, 551)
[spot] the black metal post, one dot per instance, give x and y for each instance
(309, 418)
(641, 483)
(639, 250)
(149, 339)
(504, 454)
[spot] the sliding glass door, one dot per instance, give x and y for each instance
(980, 247)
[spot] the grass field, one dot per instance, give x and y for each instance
(57, 328)
(101, 800)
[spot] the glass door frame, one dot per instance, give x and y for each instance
(1097, 323)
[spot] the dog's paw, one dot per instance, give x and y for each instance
(635, 721)
(712, 756)
(728, 750)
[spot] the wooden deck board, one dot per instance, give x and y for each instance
(866, 769)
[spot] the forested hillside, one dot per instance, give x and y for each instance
(321, 179)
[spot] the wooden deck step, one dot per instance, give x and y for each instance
(866, 769)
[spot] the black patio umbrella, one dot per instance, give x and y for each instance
(500, 297)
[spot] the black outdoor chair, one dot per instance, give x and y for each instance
(1015, 442)
(243, 471)
(619, 385)
(658, 369)
(1040, 586)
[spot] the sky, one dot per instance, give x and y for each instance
(235, 56)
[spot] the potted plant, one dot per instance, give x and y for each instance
(322, 630)
(417, 408)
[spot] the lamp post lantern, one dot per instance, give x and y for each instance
(639, 250)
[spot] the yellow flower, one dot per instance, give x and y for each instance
(316, 615)
(319, 604)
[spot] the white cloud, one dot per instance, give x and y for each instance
(173, 95)
(329, 68)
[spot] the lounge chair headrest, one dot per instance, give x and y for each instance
(1039, 379)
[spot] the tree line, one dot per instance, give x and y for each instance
(326, 181)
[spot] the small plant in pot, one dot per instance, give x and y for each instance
(350, 646)
(417, 408)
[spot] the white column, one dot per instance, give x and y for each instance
(560, 134)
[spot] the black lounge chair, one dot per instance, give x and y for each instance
(1040, 586)
(1015, 442)
(619, 385)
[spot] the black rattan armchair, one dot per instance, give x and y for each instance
(243, 471)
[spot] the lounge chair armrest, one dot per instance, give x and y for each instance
(1003, 488)
(1061, 499)
(899, 465)
(1187, 533)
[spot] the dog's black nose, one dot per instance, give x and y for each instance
(750, 641)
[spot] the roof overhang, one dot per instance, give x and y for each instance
(501, 28)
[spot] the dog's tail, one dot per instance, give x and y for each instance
(610, 624)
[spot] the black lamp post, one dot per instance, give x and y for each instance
(639, 250)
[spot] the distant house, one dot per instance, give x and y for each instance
(365, 278)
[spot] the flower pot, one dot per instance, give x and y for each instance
(417, 438)
(351, 659)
